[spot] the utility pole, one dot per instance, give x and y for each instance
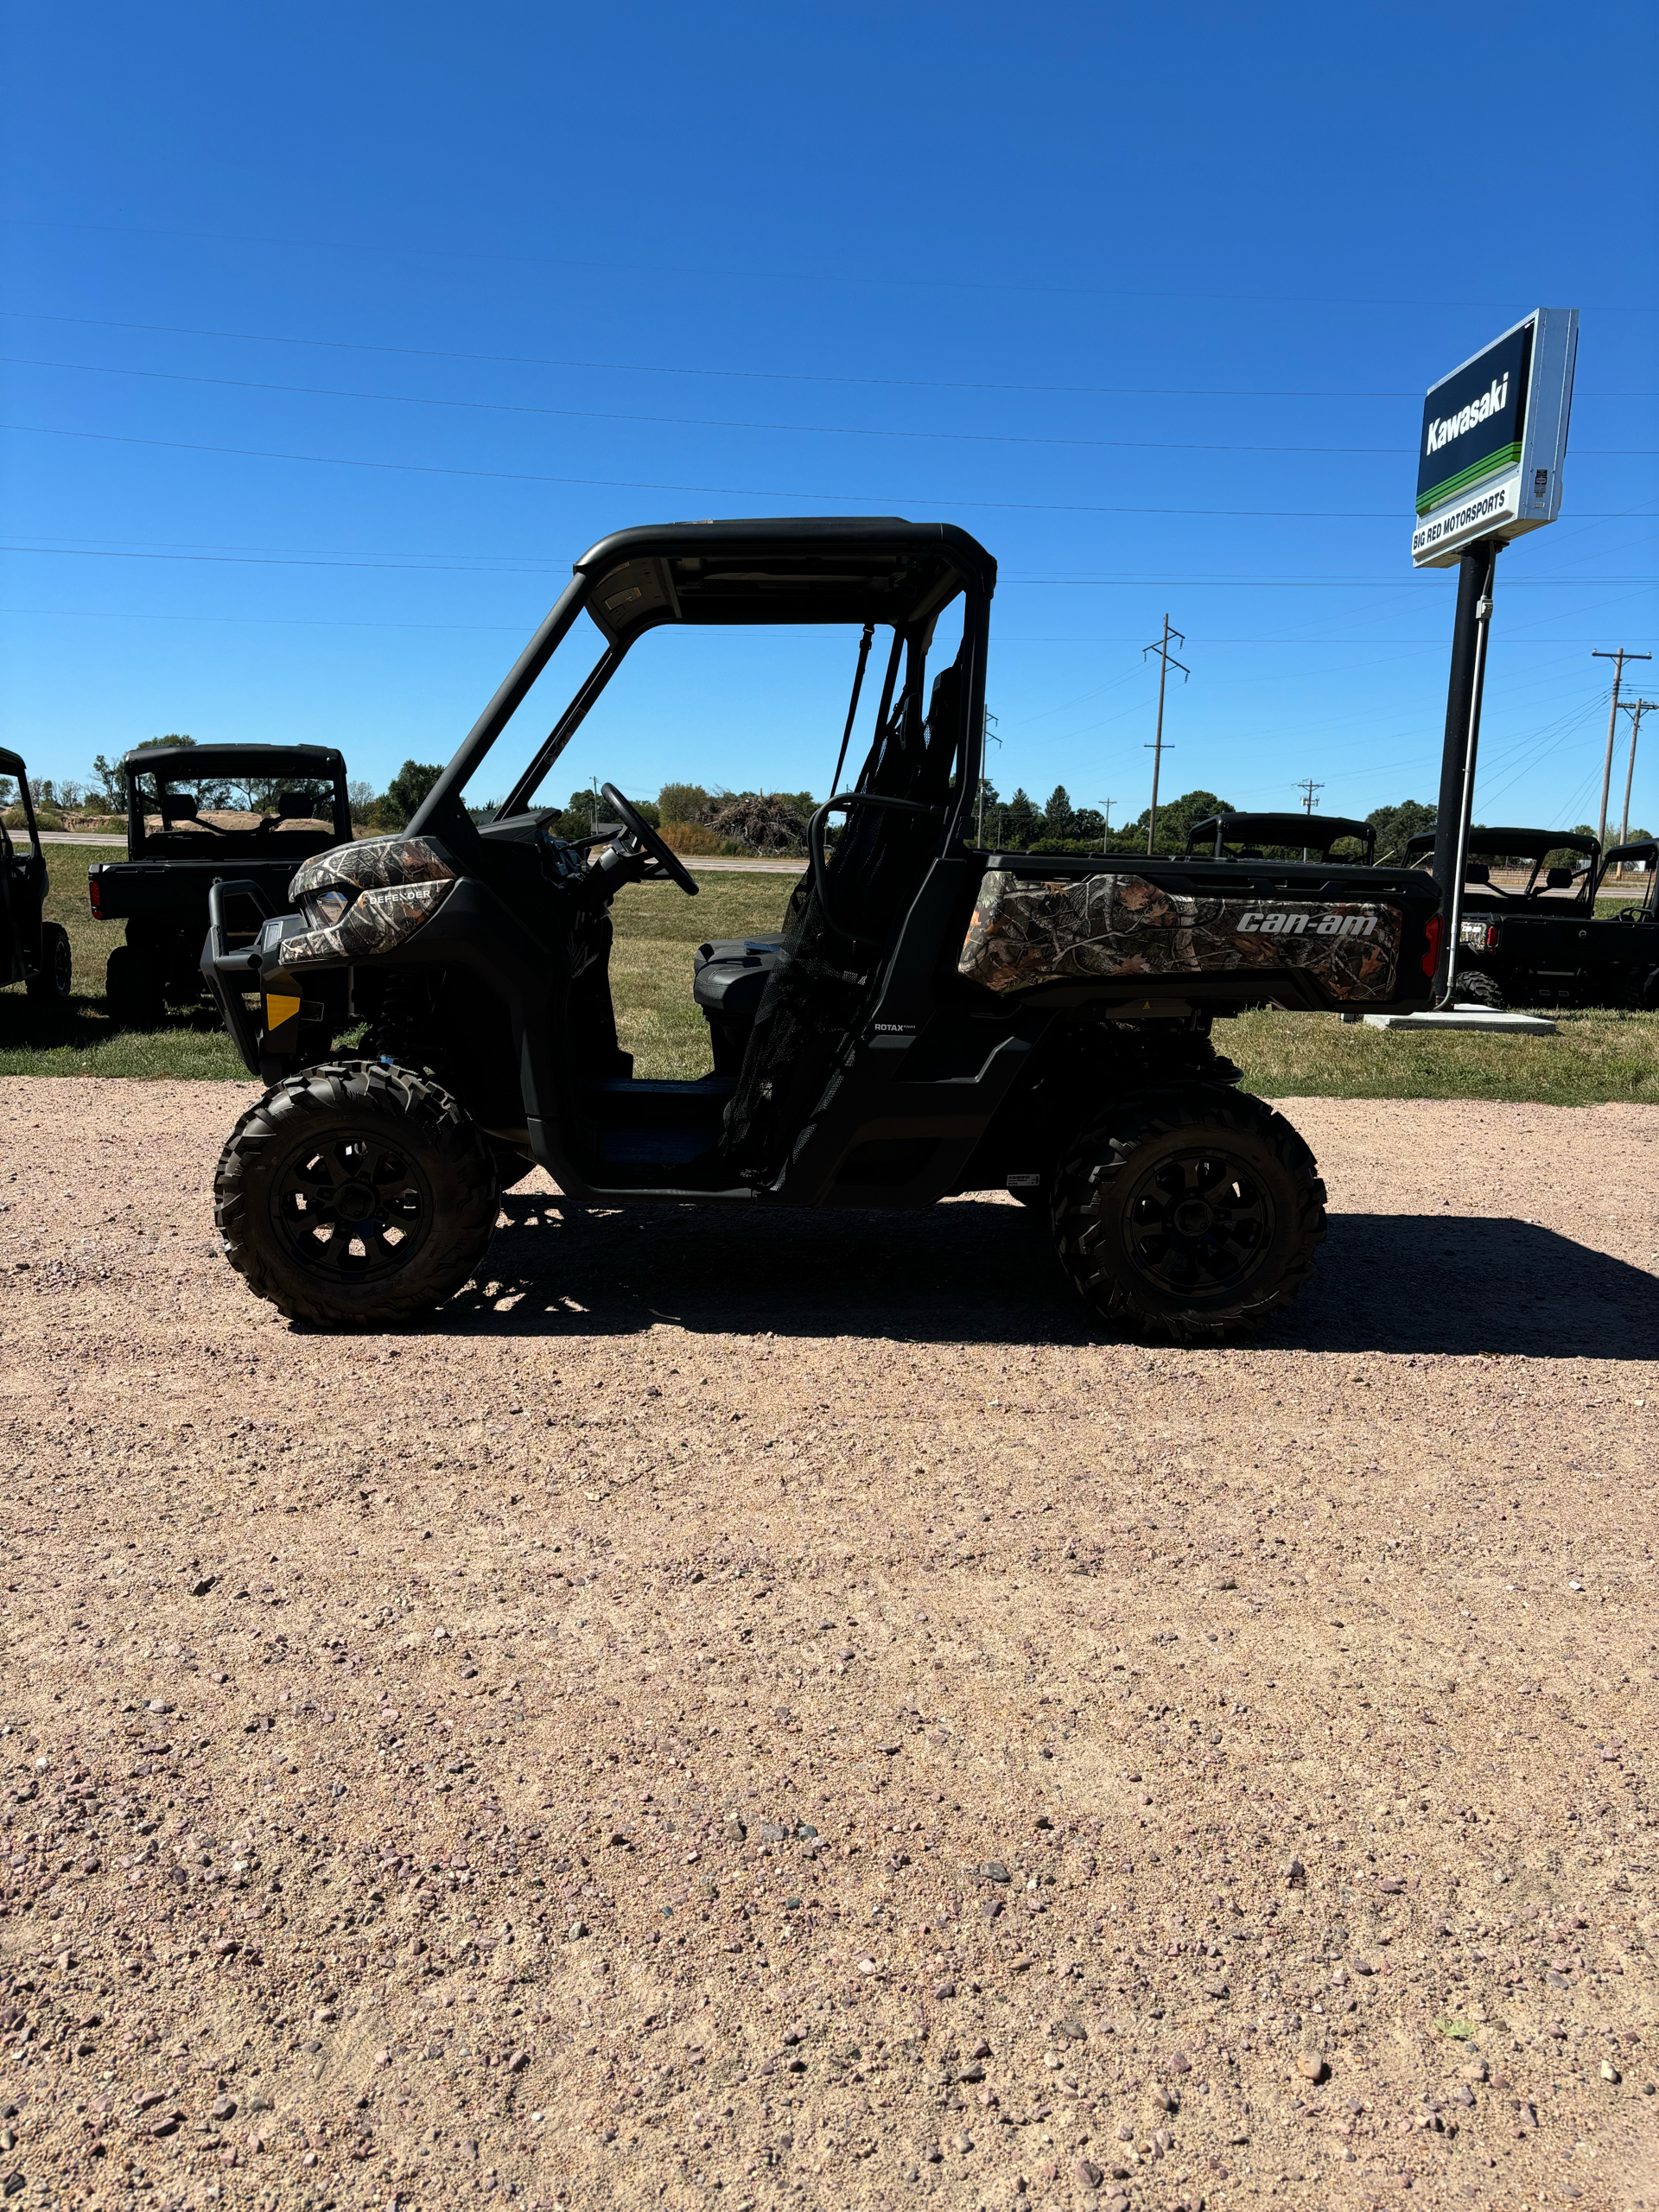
(1635, 709)
(990, 738)
(1619, 659)
(1106, 834)
(1165, 661)
(1307, 787)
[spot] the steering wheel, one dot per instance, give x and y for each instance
(648, 841)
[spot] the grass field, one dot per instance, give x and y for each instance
(1595, 1056)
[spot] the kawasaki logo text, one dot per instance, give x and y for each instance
(1444, 428)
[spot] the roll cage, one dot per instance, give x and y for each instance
(1315, 833)
(880, 573)
(176, 765)
(1486, 846)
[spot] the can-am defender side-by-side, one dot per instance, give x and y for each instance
(32, 951)
(1540, 942)
(177, 842)
(933, 1020)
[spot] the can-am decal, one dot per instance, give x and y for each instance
(1027, 931)
(1304, 924)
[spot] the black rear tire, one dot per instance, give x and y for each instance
(132, 989)
(356, 1194)
(51, 987)
(1474, 987)
(1192, 1210)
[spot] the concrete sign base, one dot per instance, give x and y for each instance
(1467, 1017)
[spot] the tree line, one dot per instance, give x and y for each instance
(697, 820)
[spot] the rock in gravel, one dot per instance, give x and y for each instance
(1179, 2063)
(944, 1989)
(1311, 2066)
(1088, 2173)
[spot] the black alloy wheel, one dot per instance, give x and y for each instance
(1194, 1210)
(352, 1211)
(1195, 1224)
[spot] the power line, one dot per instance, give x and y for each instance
(746, 376)
(733, 491)
(863, 281)
(699, 422)
(720, 491)
(724, 422)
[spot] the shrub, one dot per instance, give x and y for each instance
(757, 822)
(688, 837)
(682, 803)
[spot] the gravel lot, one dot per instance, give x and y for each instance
(771, 1712)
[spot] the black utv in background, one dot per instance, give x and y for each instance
(295, 808)
(1539, 942)
(32, 951)
(932, 1020)
(1250, 837)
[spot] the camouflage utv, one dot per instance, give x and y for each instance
(934, 1020)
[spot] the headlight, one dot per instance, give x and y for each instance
(326, 910)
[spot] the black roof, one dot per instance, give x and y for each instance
(11, 764)
(1320, 829)
(1642, 848)
(236, 760)
(844, 569)
(1525, 844)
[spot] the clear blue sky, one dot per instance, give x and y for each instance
(338, 332)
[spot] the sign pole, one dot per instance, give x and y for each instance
(1477, 570)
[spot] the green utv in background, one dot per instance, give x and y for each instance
(933, 1020)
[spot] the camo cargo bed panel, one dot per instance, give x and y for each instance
(1027, 932)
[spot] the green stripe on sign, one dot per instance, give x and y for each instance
(1494, 465)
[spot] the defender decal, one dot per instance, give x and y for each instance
(1027, 932)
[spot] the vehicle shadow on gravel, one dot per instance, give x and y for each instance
(1421, 1283)
(983, 1272)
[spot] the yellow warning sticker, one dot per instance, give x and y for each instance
(279, 1008)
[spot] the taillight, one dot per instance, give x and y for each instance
(1431, 931)
(95, 895)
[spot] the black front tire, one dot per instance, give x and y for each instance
(1192, 1210)
(51, 987)
(356, 1194)
(132, 989)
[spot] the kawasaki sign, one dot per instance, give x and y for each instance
(1489, 462)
